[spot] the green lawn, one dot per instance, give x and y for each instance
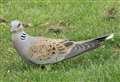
(79, 20)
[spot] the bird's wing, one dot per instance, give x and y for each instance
(44, 48)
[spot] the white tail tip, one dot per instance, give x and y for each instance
(110, 36)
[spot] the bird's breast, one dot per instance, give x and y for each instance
(21, 46)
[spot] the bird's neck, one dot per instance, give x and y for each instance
(20, 35)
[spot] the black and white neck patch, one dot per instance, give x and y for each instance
(23, 36)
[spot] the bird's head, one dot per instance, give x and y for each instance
(16, 26)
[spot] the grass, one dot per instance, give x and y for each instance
(80, 20)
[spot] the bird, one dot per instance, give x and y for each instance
(43, 50)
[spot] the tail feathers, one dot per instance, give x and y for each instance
(106, 37)
(88, 45)
(110, 36)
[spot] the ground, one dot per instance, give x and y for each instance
(77, 20)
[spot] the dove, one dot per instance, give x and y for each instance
(43, 50)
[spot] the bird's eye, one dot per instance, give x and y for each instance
(18, 25)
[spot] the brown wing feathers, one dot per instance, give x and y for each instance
(46, 49)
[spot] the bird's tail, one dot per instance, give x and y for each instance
(85, 46)
(106, 37)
